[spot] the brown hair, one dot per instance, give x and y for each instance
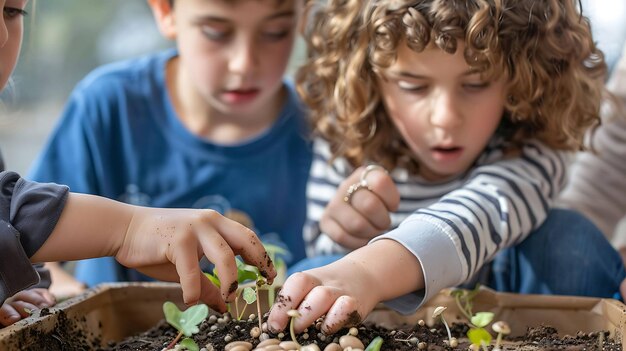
(545, 48)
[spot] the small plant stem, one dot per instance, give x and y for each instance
(293, 332)
(242, 312)
(447, 329)
(498, 340)
(237, 307)
(258, 309)
(462, 309)
(175, 340)
(483, 345)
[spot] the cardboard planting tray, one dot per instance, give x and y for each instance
(111, 312)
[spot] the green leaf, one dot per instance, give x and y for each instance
(249, 295)
(186, 322)
(274, 249)
(189, 344)
(375, 345)
(457, 293)
(479, 335)
(246, 272)
(214, 279)
(482, 319)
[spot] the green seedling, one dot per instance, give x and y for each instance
(293, 314)
(375, 345)
(246, 273)
(465, 300)
(439, 313)
(185, 322)
(477, 334)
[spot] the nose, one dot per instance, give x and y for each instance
(445, 111)
(243, 58)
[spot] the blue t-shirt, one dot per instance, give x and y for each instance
(120, 137)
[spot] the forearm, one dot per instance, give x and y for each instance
(90, 226)
(387, 278)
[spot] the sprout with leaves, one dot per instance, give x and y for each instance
(185, 322)
(246, 272)
(477, 334)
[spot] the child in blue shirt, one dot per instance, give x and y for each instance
(40, 222)
(210, 124)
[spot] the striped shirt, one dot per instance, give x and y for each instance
(456, 226)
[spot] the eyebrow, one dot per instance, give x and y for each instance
(277, 15)
(419, 76)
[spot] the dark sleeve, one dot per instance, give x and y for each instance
(29, 212)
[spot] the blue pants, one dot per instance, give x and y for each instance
(567, 255)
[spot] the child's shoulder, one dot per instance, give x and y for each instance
(133, 73)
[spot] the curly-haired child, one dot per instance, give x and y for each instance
(473, 107)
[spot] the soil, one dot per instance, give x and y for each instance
(538, 338)
(68, 335)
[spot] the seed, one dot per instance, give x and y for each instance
(333, 347)
(353, 331)
(268, 342)
(255, 332)
(351, 341)
(232, 345)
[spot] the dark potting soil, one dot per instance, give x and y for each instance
(537, 338)
(69, 334)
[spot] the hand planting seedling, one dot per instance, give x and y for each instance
(246, 273)
(185, 322)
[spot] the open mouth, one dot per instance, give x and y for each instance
(447, 153)
(240, 95)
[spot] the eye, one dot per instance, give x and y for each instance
(276, 35)
(13, 12)
(476, 86)
(411, 87)
(216, 34)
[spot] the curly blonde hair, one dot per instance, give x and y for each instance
(544, 47)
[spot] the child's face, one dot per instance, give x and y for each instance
(235, 52)
(445, 112)
(11, 29)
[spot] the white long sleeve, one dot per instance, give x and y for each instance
(453, 227)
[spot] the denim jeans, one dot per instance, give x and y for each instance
(567, 255)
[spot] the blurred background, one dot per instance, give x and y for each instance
(65, 40)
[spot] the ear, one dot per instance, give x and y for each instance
(164, 16)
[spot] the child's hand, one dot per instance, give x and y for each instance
(341, 291)
(347, 290)
(356, 215)
(168, 243)
(19, 305)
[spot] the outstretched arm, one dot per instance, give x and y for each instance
(163, 243)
